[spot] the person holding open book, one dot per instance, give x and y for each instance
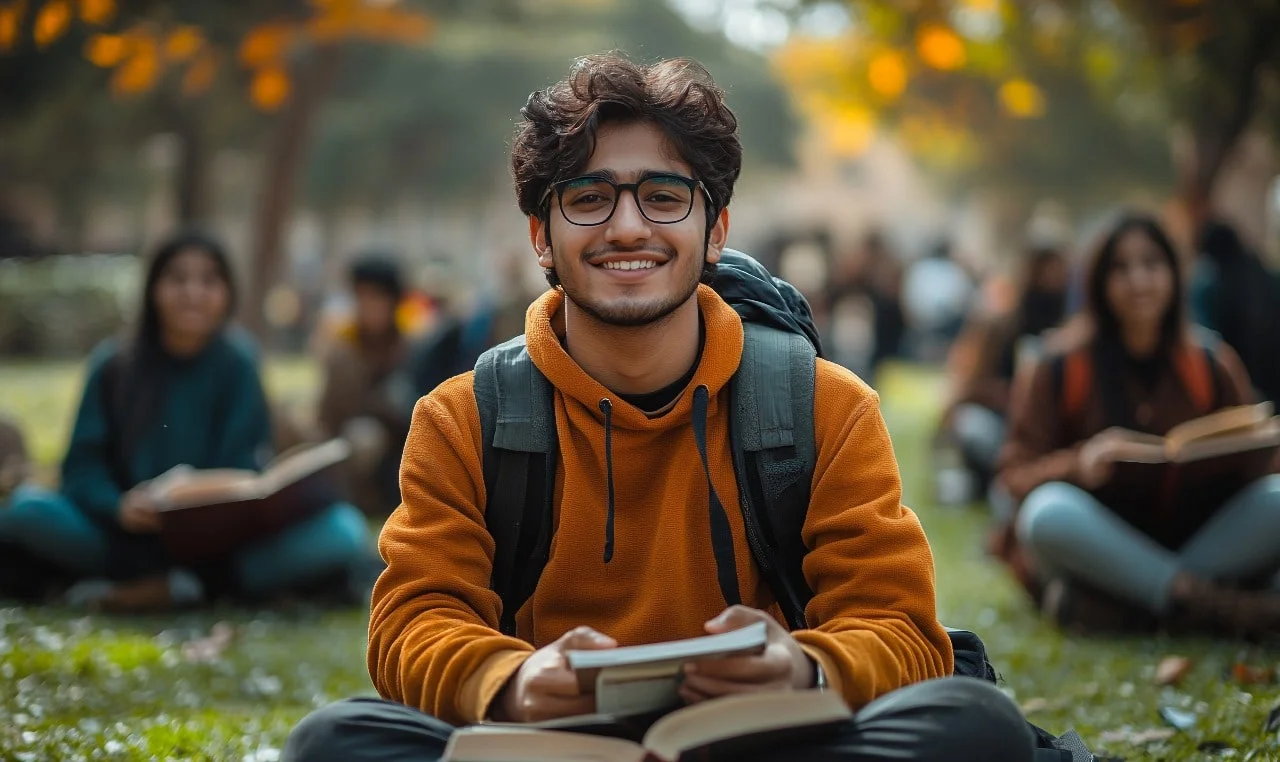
(1121, 523)
(183, 390)
(625, 173)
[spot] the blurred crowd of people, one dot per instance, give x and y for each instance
(1005, 434)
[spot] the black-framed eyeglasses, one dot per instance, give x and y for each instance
(662, 198)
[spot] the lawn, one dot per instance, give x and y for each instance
(227, 684)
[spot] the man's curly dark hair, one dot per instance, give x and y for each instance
(557, 135)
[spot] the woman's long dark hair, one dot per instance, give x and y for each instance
(140, 375)
(1039, 309)
(1108, 345)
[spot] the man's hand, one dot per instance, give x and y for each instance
(544, 687)
(138, 511)
(782, 666)
(1097, 458)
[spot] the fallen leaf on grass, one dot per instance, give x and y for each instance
(1172, 669)
(1138, 737)
(1247, 674)
(208, 649)
(1038, 704)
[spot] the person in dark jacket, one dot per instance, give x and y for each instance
(183, 390)
(1233, 293)
(1093, 549)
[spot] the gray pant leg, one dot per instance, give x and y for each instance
(367, 730)
(981, 434)
(1242, 540)
(1069, 532)
(951, 719)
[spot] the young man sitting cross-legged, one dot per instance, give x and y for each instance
(625, 173)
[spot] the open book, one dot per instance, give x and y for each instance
(1198, 465)
(207, 514)
(1232, 430)
(718, 729)
(637, 679)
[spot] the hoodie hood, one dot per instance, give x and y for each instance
(719, 361)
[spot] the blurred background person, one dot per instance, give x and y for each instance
(936, 294)
(367, 393)
(1102, 555)
(1233, 293)
(980, 371)
(183, 389)
(464, 330)
(866, 320)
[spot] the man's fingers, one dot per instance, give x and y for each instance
(690, 696)
(714, 686)
(539, 708)
(585, 638)
(561, 682)
(744, 669)
(736, 617)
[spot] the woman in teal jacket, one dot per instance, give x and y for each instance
(184, 389)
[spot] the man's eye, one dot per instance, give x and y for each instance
(590, 197)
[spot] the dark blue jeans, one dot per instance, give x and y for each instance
(957, 719)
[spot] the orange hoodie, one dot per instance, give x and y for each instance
(433, 638)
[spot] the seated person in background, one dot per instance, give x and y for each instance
(15, 463)
(460, 336)
(1091, 550)
(627, 172)
(1233, 293)
(982, 361)
(184, 389)
(367, 396)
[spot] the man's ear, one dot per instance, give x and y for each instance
(718, 236)
(538, 238)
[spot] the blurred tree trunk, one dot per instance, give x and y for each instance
(282, 166)
(191, 201)
(1223, 113)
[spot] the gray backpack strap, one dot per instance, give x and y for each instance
(774, 455)
(517, 428)
(509, 388)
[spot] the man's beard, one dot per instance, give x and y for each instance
(634, 314)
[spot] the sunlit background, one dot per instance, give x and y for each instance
(881, 138)
(303, 132)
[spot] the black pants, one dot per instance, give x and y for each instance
(957, 719)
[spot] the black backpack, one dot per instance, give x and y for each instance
(773, 452)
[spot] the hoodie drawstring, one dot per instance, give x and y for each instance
(721, 535)
(606, 407)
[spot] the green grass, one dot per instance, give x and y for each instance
(74, 687)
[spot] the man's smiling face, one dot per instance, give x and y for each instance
(631, 271)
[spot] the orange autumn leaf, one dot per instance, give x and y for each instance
(10, 18)
(52, 22)
(390, 25)
(183, 43)
(940, 47)
(106, 50)
(200, 75)
(270, 88)
(97, 12)
(1022, 99)
(328, 28)
(139, 73)
(887, 74)
(265, 45)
